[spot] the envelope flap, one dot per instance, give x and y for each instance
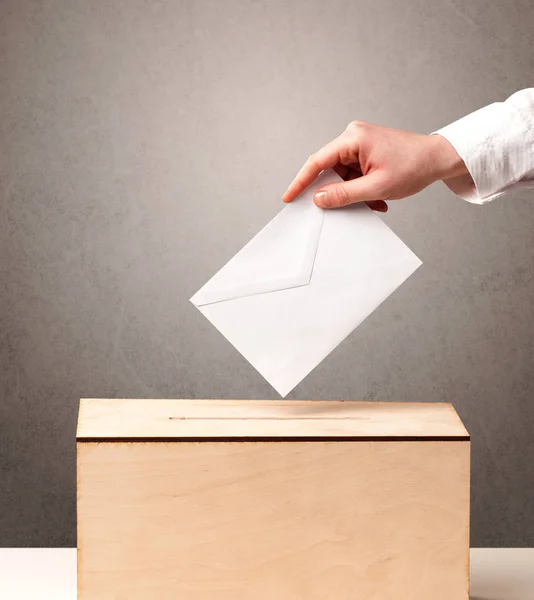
(281, 256)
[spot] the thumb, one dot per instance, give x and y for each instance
(362, 189)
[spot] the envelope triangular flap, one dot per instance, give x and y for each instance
(280, 257)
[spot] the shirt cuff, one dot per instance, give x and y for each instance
(496, 146)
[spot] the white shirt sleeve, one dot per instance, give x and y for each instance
(496, 144)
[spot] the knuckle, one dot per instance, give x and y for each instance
(355, 125)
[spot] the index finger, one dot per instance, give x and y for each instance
(326, 158)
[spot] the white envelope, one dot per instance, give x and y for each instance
(306, 281)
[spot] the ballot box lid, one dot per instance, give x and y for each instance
(109, 420)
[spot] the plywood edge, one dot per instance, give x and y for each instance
(459, 423)
(265, 439)
(81, 420)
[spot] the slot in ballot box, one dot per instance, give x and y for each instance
(272, 500)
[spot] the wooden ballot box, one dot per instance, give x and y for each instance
(272, 500)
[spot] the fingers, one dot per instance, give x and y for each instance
(342, 171)
(368, 188)
(347, 172)
(378, 205)
(326, 158)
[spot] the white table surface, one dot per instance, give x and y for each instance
(50, 574)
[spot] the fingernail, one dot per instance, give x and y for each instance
(321, 199)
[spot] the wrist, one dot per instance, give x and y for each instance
(446, 161)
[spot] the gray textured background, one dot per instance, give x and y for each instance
(143, 143)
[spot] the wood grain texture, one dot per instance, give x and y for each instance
(105, 419)
(277, 520)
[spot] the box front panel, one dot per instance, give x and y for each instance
(284, 520)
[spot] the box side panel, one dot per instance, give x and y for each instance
(291, 521)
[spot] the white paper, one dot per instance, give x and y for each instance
(306, 281)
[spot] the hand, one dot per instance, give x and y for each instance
(377, 164)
